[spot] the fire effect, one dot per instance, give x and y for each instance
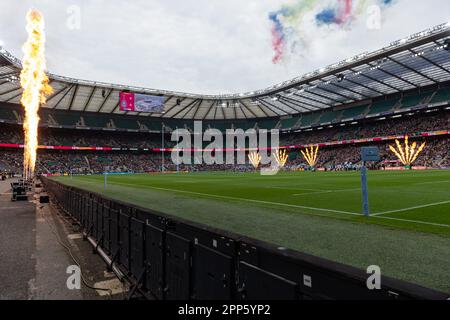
(255, 159)
(35, 86)
(408, 154)
(281, 157)
(310, 155)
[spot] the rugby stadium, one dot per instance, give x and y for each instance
(107, 178)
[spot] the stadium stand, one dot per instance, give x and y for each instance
(355, 112)
(330, 116)
(441, 95)
(382, 106)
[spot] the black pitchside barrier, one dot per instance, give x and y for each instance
(169, 258)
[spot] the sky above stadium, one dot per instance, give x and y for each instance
(212, 46)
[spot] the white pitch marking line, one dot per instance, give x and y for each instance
(326, 191)
(412, 208)
(240, 199)
(414, 221)
(282, 204)
(434, 182)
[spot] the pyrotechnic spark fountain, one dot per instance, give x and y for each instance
(408, 154)
(281, 157)
(35, 86)
(255, 159)
(310, 155)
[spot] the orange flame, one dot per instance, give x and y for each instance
(35, 86)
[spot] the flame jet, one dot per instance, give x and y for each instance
(311, 155)
(408, 154)
(35, 85)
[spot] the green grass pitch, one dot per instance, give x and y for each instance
(407, 234)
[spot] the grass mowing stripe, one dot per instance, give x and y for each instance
(285, 204)
(412, 208)
(414, 221)
(241, 199)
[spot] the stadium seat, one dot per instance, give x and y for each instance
(382, 106)
(310, 119)
(96, 121)
(289, 123)
(441, 95)
(355, 112)
(268, 124)
(414, 100)
(66, 119)
(330, 116)
(126, 123)
(7, 114)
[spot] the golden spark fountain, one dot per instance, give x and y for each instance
(35, 84)
(310, 155)
(255, 159)
(281, 157)
(408, 154)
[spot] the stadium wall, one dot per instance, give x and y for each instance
(170, 258)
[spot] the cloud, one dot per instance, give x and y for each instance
(198, 46)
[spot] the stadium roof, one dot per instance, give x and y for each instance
(419, 60)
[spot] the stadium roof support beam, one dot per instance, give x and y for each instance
(224, 116)
(242, 111)
(117, 105)
(15, 96)
(209, 110)
(197, 110)
(174, 106)
(248, 109)
(64, 95)
(394, 75)
(195, 105)
(378, 81)
(412, 69)
(73, 97)
(305, 103)
(322, 96)
(301, 105)
(284, 101)
(57, 93)
(89, 98)
(350, 90)
(335, 93)
(311, 99)
(430, 61)
(364, 86)
(7, 74)
(10, 90)
(271, 106)
(104, 101)
(182, 109)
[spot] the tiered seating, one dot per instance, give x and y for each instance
(66, 118)
(153, 125)
(355, 112)
(7, 114)
(95, 120)
(414, 100)
(330, 116)
(289, 123)
(382, 106)
(441, 95)
(310, 119)
(44, 115)
(267, 124)
(125, 123)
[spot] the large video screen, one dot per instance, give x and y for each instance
(141, 102)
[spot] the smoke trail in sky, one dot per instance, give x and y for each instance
(287, 31)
